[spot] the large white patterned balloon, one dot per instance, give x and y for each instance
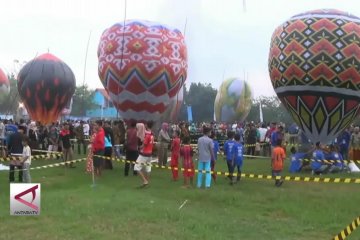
(142, 65)
(233, 101)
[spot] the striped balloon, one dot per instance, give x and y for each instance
(4, 85)
(142, 65)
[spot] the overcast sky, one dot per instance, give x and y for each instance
(223, 39)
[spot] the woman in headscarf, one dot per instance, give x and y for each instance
(163, 144)
(140, 132)
(33, 137)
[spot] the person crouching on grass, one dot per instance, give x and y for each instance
(277, 162)
(146, 137)
(26, 160)
(175, 152)
(187, 152)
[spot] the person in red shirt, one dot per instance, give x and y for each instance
(98, 147)
(175, 152)
(146, 149)
(187, 152)
(277, 162)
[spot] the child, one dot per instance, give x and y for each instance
(228, 145)
(186, 152)
(296, 161)
(277, 162)
(318, 165)
(26, 160)
(89, 159)
(335, 156)
(238, 157)
(216, 150)
(175, 152)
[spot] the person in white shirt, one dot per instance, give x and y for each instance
(2, 130)
(263, 130)
(86, 129)
(26, 160)
(2, 138)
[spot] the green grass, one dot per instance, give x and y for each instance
(116, 209)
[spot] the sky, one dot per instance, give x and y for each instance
(225, 38)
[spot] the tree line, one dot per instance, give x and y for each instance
(200, 96)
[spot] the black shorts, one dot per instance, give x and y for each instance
(98, 161)
(131, 155)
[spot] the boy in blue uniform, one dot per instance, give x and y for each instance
(238, 157)
(228, 146)
(296, 161)
(338, 164)
(318, 165)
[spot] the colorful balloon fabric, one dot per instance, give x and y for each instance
(46, 84)
(314, 68)
(68, 107)
(4, 85)
(233, 101)
(172, 112)
(142, 65)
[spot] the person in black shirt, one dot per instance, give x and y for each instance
(65, 143)
(15, 148)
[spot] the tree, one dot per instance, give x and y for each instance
(272, 108)
(82, 101)
(201, 98)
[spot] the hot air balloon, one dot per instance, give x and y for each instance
(68, 107)
(172, 112)
(142, 65)
(46, 84)
(233, 101)
(314, 69)
(4, 85)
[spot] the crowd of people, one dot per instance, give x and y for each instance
(139, 144)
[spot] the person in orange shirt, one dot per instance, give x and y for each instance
(277, 162)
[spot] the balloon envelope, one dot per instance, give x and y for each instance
(142, 65)
(4, 85)
(172, 112)
(233, 101)
(68, 107)
(314, 69)
(46, 84)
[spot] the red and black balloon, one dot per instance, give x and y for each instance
(46, 84)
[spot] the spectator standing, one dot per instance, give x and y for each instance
(206, 155)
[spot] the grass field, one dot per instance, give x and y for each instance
(116, 209)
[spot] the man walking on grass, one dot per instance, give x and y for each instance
(145, 154)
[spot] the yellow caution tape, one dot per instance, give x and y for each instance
(348, 229)
(247, 175)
